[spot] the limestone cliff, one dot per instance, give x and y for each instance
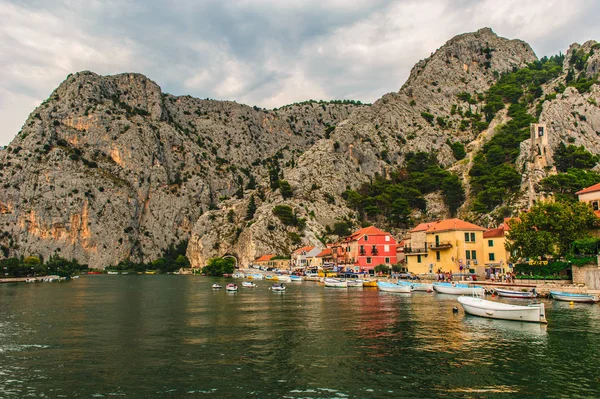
(372, 141)
(109, 167)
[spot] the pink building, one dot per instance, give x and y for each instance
(367, 248)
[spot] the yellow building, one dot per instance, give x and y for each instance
(495, 256)
(451, 245)
(272, 261)
(591, 195)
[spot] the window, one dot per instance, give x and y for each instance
(468, 254)
(492, 257)
(386, 248)
(467, 237)
(474, 255)
(540, 131)
(366, 238)
(368, 260)
(347, 249)
(418, 258)
(362, 248)
(437, 256)
(387, 238)
(472, 237)
(490, 243)
(387, 260)
(595, 205)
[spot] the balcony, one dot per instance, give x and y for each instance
(440, 245)
(416, 250)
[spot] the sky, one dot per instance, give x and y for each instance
(258, 52)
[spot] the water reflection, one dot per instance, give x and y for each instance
(143, 336)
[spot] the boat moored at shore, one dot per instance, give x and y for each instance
(335, 283)
(458, 289)
(392, 287)
(569, 297)
(516, 294)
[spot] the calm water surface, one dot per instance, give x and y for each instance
(172, 336)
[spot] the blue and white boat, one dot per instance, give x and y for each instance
(516, 294)
(393, 287)
(458, 289)
(418, 286)
(295, 278)
(569, 297)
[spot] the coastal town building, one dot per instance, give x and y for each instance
(591, 195)
(367, 248)
(495, 256)
(450, 245)
(305, 257)
(272, 261)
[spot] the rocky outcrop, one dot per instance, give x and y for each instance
(110, 168)
(374, 140)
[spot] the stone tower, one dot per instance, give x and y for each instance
(540, 160)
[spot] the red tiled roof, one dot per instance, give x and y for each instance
(371, 230)
(453, 224)
(590, 189)
(325, 252)
(422, 227)
(497, 232)
(264, 258)
(306, 248)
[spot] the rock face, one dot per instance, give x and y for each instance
(110, 168)
(372, 141)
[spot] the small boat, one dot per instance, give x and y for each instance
(294, 278)
(516, 294)
(497, 310)
(78, 276)
(238, 275)
(369, 283)
(392, 287)
(216, 286)
(248, 284)
(94, 272)
(458, 289)
(424, 287)
(566, 296)
(231, 287)
(112, 272)
(335, 283)
(354, 283)
(269, 277)
(256, 276)
(278, 287)
(30, 280)
(283, 279)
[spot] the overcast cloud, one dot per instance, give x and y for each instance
(258, 52)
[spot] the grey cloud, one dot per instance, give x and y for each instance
(262, 52)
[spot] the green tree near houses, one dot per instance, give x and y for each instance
(549, 229)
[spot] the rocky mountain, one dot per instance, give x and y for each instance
(372, 141)
(109, 167)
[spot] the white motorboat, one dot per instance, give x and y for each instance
(231, 287)
(335, 283)
(278, 287)
(497, 310)
(392, 287)
(458, 289)
(568, 297)
(282, 278)
(354, 282)
(295, 278)
(248, 284)
(216, 286)
(256, 276)
(516, 294)
(425, 287)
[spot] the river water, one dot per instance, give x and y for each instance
(173, 336)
